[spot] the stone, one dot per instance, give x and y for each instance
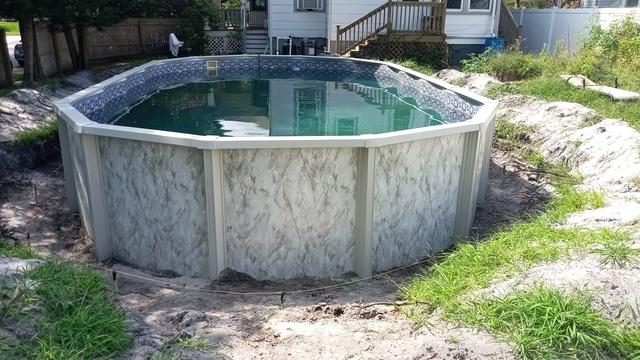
(11, 269)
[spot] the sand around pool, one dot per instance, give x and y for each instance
(364, 320)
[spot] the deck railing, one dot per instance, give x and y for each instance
(256, 19)
(230, 19)
(508, 27)
(393, 16)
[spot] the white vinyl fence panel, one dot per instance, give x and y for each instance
(544, 29)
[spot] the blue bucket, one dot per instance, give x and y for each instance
(494, 43)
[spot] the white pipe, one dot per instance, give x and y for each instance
(493, 17)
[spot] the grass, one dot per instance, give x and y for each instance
(417, 66)
(20, 251)
(510, 250)
(555, 89)
(11, 27)
(77, 318)
(35, 135)
(616, 254)
(543, 323)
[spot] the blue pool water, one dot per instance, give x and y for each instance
(278, 107)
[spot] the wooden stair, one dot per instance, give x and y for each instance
(395, 20)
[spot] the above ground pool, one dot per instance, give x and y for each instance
(275, 166)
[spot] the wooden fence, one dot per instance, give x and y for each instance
(128, 38)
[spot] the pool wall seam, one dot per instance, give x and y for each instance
(363, 239)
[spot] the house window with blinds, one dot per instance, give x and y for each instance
(309, 5)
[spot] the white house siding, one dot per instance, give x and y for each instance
(284, 20)
(461, 28)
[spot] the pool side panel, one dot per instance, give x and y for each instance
(290, 212)
(156, 205)
(415, 194)
(79, 171)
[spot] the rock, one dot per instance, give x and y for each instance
(11, 269)
(186, 318)
(450, 75)
(478, 83)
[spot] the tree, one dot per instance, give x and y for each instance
(66, 14)
(23, 11)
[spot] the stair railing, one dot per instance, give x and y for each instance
(508, 27)
(392, 16)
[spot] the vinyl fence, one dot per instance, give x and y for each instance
(544, 29)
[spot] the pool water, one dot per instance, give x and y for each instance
(277, 107)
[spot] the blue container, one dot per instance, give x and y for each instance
(494, 43)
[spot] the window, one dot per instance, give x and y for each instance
(454, 4)
(479, 4)
(310, 5)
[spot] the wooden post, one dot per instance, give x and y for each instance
(5, 59)
(56, 50)
(389, 16)
(338, 48)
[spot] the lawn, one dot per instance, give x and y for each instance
(11, 27)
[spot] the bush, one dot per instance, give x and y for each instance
(193, 21)
(507, 65)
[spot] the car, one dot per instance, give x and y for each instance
(18, 53)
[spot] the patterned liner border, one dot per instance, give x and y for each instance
(114, 98)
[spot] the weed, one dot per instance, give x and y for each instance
(194, 342)
(545, 324)
(47, 131)
(618, 254)
(506, 66)
(417, 66)
(16, 250)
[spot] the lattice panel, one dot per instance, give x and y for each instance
(387, 50)
(224, 45)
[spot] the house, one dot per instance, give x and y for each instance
(367, 28)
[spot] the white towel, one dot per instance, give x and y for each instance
(174, 44)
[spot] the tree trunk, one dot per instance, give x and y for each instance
(26, 31)
(38, 73)
(6, 60)
(56, 50)
(84, 49)
(71, 45)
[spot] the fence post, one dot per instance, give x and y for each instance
(140, 37)
(338, 48)
(551, 26)
(5, 60)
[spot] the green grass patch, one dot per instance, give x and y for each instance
(11, 27)
(417, 66)
(508, 251)
(546, 324)
(79, 319)
(616, 254)
(9, 248)
(551, 88)
(50, 129)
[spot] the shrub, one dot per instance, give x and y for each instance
(194, 19)
(507, 65)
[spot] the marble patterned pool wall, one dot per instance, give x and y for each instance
(290, 213)
(79, 171)
(415, 196)
(155, 205)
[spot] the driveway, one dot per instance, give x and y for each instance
(12, 40)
